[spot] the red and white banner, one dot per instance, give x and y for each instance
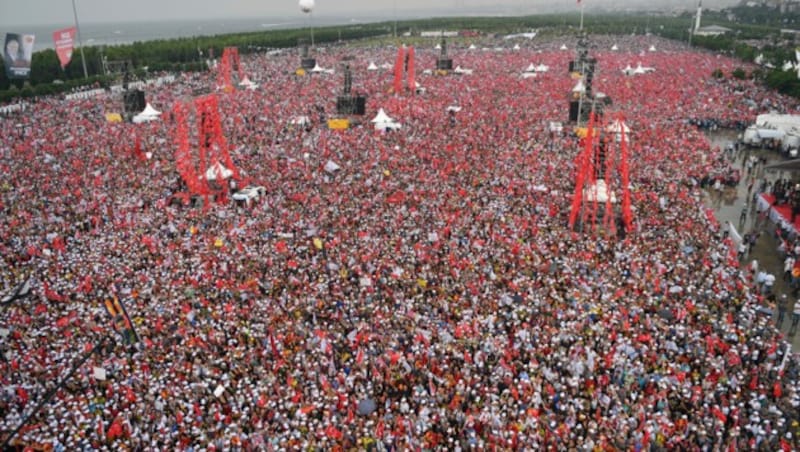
(64, 40)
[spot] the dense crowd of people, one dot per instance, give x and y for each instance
(426, 295)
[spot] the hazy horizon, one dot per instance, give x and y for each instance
(59, 12)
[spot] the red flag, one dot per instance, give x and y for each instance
(719, 414)
(412, 83)
(275, 353)
(64, 40)
(398, 70)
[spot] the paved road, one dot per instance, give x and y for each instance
(728, 206)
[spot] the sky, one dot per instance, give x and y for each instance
(59, 12)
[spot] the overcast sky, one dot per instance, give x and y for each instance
(34, 12)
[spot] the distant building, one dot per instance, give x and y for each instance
(790, 6)
(712, 30)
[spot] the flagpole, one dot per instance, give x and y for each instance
(581, 14)
(80, 42)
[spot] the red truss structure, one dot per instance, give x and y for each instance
(212, 148)
(227, 64)
(602, 177)
(404, 63)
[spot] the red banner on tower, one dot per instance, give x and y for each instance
(64, 40)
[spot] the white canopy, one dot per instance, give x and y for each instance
(460, 70)
(381, 117)
(148, 114)
(614, 47)
(516, 46)
(319, 69)
(150, 111)
(472, 47)
(531, 68)
(542, 68)
(563, 47)
(618, 125)
(372, 66)
(382, 121)
(218, 171)
(652, 49)
(598, 192)
(247, 83)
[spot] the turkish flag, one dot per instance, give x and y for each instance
(64, 40)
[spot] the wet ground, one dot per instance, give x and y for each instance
(728, 206)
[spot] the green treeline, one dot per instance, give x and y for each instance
(183, 54)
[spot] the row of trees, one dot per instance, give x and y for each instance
(183, 54)
(189, 53)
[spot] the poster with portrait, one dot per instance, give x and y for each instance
(17, 54)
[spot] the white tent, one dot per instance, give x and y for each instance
(787, 66)
(542, 68)
(372, 66)
(618, 127)
(247, 83)
(318, 69)
(381, 117)
(563, 47)
(148, 114)
(628, 70)
(652, 49)
(528, 74)
(150, 111)
(531, 68)
(472, 47)
(382, 121)
(460, 70)
(643, 69)
(614, 48)
(599, 192)
(438, 47)
(516, 46)
(386, 66)
(218, 171)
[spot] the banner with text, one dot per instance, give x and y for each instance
(64, 40)
(18, 50)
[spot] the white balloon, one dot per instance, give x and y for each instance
(306, 5)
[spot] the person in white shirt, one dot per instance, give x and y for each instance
(769, 281)
(788, 265)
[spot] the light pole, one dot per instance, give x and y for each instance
(80, 42)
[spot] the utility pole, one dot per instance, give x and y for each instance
(394, 8)
(52, 391)
(80, 41)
